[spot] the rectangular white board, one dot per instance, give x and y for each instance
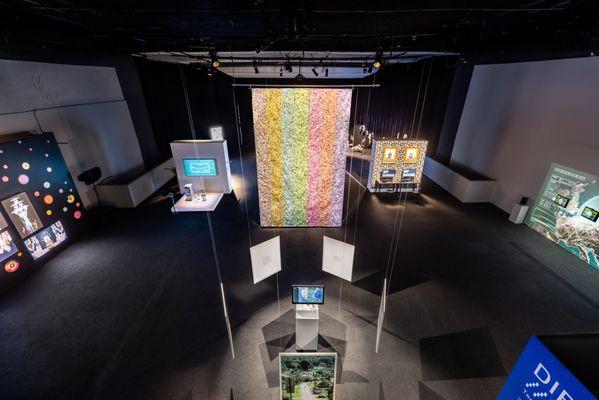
(337, 258)
(266, 259)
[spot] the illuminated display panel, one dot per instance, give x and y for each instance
(36, 191)
(7, 245)
(565, 212)
(406, 156)
(301, 149)
(41, 243)
(199, 166)
(22, 214)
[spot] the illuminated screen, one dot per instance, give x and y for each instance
(566, 212)
(7, 245)
(46, 240)
(301, 146)
(561, 201)
(591, 214)
(22, 214)
(408, 175)
(308, 294)
(199, 166)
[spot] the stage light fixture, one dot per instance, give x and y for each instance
(281, 71)
(288, 66)
(378, 59)
(214, 60)
(314, 71)
(370, 69)
(326, 72)
(255, 63)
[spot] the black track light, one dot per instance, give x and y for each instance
(288, 66)
(326, 72)
(255, 63)
(281, 72)
(314, 71)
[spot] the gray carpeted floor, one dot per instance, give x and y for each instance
(133, 311)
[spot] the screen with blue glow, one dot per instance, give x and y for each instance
(199, 166)
(308, 294)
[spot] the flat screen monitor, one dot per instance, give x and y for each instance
(387, 175)
(22, 214)
(408, 175)
(308, 294)
(590, 213)
(199, 166)
(561, 201)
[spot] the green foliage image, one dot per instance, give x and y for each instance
(307, 376)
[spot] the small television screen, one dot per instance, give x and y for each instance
(408, 175)
(590, 213)
(561, 201)
(308, 294)
(199, 166)
(387, 175)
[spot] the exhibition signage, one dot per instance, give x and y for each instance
(538, 374)
(566, 212)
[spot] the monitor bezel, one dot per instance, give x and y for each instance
(315, 286)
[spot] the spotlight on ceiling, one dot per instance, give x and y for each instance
(378, 59)
(255, 63)
(370, 69)
(326, 72)
(281, 72)
(214, 59)
(288, 66)
(209, 72)
(314, 71)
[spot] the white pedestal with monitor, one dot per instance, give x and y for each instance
(306, 327)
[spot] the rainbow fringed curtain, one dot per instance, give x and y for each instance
(301, 145)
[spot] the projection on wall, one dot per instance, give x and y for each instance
(301, 146)
(566, 212)
(40, 205)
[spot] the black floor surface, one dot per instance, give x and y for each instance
(137, 302)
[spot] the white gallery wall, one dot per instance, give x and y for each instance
(519, 118)
(82, 105)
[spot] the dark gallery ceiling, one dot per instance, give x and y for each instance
(433, 25)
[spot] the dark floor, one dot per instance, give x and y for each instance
(132, 311)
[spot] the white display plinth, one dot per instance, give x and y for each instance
(518, 213)
(306, 327)
(212, 200)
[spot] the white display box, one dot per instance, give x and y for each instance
(337, 258)
(266, 259)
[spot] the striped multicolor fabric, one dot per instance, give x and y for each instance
(301, 146)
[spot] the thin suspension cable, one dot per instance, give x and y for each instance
(424, 99)
(406, 193)
(417, 99)
(351, 163)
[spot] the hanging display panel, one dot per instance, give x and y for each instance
(566, 212)
(301, 147)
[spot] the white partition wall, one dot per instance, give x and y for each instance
(220, 180)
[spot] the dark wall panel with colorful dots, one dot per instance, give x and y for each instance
(40, 209)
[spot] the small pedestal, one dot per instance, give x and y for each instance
(306, 327)
(212, 200)
(518, 213)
